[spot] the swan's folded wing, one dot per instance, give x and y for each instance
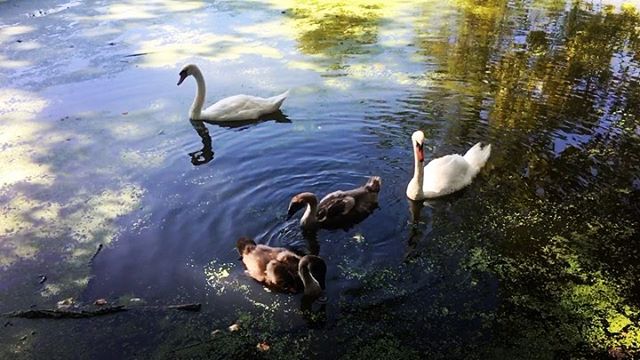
(237, 107)
(446, 166)
(230, 104)
(444, 174)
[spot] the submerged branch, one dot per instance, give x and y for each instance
(185, 307)
(79, 314)
(64, 314)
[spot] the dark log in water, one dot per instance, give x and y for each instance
(186, 307)
(65, 314)
(79, 314)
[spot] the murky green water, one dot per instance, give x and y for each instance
(538, 258)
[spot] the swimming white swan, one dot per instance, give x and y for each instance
(444, 175)
(233, 108)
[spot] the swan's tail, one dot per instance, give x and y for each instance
(277, 100)
(477, 156)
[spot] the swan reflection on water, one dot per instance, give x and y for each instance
(314, 312)
(206, 154)
(420, 228)
(415, 233)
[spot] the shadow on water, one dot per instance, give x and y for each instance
(278, 117)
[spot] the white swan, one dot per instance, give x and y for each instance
(444, 175)
(233, 108)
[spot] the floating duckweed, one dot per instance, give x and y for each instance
(217, 274)
(359, 238)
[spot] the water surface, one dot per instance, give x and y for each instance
(538, 258)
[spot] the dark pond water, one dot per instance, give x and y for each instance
(538, 258)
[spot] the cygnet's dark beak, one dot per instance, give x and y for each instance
(183, 75)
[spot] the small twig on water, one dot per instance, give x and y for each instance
(137, 54)
(96, 253)
(185, 307)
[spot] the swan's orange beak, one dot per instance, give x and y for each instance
(183, 75)
(420, 152)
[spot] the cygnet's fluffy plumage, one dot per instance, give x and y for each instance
(283, 270)
(339, 209)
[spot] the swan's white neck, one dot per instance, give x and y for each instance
(418, 169)
(198, 102)
(311, 285)
(414, 190)
(309, 216)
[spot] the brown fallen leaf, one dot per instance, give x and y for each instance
(100, 302)
(263, 346)
(618, 353)
(234, 327)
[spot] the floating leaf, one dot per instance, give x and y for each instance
(263, 346)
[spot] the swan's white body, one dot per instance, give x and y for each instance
(444, 175)
(233, 108)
